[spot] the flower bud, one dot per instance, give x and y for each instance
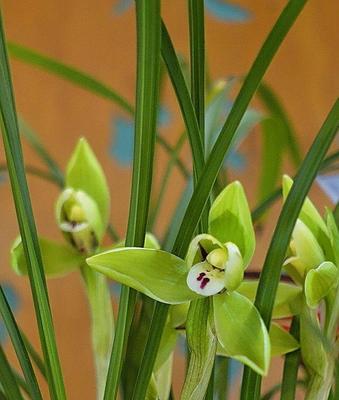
(79, 219)
(305, 252)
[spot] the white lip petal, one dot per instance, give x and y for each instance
(70, 227)
(205, 280)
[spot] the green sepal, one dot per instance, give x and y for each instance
(156, 273)
(312, 219)
(58, 259)
(319, 282)
(287, 301)
(234, 270)
(241, 331)
(85, 173)
(282, 342)
(306, 252)
(178, 314)
(334, 234)
(230, 220)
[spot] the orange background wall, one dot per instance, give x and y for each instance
(86, 34)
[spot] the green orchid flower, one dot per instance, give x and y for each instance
(312, 259)
(82, 212)
(313, 263)
(214, 267)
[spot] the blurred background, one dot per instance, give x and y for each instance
(98, 37)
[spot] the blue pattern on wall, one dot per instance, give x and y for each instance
(122, 136)
(226, 11)
(330, 185)
(222, 10)
(121, 146)
(121, 6)
(14, 302)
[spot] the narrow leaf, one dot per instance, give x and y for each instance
(7, 379)
(19, 347)
(12, 145)
(276, 109)
(272, 152)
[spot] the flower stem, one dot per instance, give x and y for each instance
(99, 299)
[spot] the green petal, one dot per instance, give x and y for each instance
(319, 282)
(156, 273)
(234, 268)
(178, 314)
(287, 301)
(281, 341)
(57, 259)
(334, 234)
(241, 331)
(207, 242)
(85, 173)
(230, 220)
(308, 253)
(311, 217)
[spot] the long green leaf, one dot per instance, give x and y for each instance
(185, 102)
(28, 133)
(81, 79)
(35, 356)
(12, 145)
(147, 91)
(67, 72)
(272, 153)
(214, 163)
(164, 182)
(19, 346)
(34, 171)
(270, 276)
(276, 109)
(7, 379)
(197, 58)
